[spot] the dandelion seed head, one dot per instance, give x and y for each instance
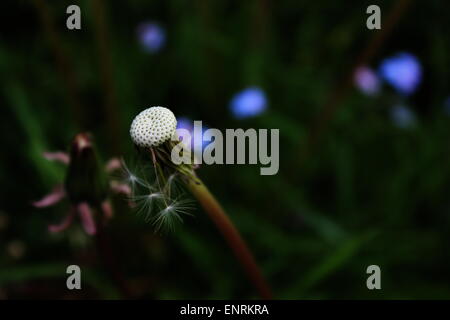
(153, 126)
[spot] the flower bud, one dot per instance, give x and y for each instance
(85, 179)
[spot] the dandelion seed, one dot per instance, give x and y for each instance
(172, 213)
(132, 179)
(146, 204)
(172, 186)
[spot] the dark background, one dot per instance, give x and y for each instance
(354, 188)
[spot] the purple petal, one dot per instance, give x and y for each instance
(54, 197)
(86, 218)
(113, 164)
(63, 225)
(367, 81)
(107, 209)
(120, 188)
(57, 156)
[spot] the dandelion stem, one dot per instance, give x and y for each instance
(231, 235)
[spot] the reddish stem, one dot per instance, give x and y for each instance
(231, 235)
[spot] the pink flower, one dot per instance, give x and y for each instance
(82, 209)
(367, 81)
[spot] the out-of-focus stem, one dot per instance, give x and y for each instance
(106, 72)
(231, 235)
(109, 260)
(63, 64)
(339, 93)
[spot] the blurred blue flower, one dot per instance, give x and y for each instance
(249, 102)
(403, 117)
(196, 142)
(367, 81)
(403, 71)
(151, 36)
(447, 106)
(184, 123)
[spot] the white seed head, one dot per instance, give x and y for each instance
(153, 126)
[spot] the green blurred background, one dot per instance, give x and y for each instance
(355, 186)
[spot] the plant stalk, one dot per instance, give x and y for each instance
(109, 261)
(107, 73)
(64, 66)
(231, 235)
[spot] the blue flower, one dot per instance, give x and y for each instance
(403, 117)
(151, 36)
(367, 81)
(402, 71)
(248, 103)
(184, 123)
(197, 142)
(447, 106)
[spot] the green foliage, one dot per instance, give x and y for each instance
(366, 192)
